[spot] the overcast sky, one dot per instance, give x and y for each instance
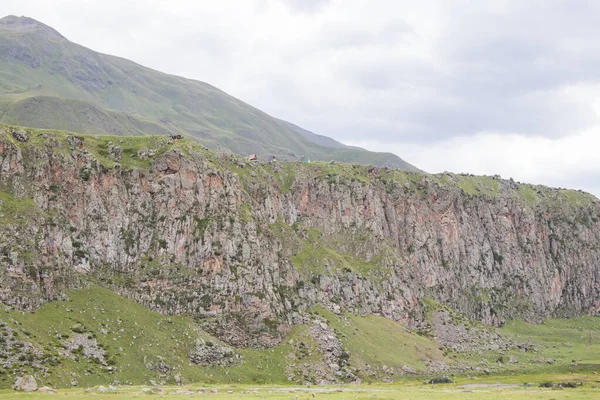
(487, 87)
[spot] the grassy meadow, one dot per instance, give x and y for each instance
(472, 390)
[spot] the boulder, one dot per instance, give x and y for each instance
(47, 389)
(185, 392)
(153, 390)
(21, 136)
(25, 383)
(116, 151)
(408, 369)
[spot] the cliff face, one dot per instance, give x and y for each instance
(248, 248)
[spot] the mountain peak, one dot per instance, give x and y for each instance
(26, 24)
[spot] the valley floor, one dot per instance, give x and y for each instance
(492, 388)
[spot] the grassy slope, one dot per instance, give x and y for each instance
(76, 116)
(40, 65)
(569, 344)
(98, 145)
(134, 336)
(378, 341)
(558, 347)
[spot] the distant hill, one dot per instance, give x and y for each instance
(46, 81)
(321, 140)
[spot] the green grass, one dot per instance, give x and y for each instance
(340, 172)
(320, 253)
(144, 335)
(477, 185)
(415, 182)
(134, 336)
(18, 211)
(378, 341)
(571, 344)
(415, 390)
(575, 198)
(332, 173)
(130, 146)
(287, 176)
(557, 346)
(99, 145)
(527, 193)
(554, 198)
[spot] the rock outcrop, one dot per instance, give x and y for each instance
(210, 353)
(248, 248)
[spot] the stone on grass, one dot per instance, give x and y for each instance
(25, 383)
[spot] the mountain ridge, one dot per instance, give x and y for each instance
(35, 62)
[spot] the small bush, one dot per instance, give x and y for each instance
(78, 328)
(84, 174)
(440, 379)
(571, 385)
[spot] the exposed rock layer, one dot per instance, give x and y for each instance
(249, 247)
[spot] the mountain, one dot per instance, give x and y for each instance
(318, 139)
(319, 273)
(132, 259)
(46, 81)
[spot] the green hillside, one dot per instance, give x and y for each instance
(118, 341)
(47, 81)
(139, 345)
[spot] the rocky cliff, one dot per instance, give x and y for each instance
(247, 248)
